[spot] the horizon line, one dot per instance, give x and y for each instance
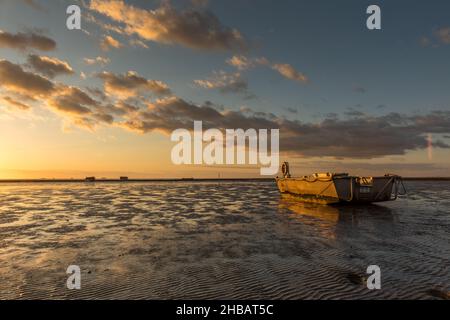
(187, 179)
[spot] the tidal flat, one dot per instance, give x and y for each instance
(218, 240)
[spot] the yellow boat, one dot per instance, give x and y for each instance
(330, 188)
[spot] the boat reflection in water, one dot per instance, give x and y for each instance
(329, 220)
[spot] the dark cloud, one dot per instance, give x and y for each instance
(239, 85)
(126, 107)
(14, 78)
(357, 135)
(354, 137)
(49, 66)
(194, 28)
(354, 113)
(73, 101)
(359, 89)
(130, 84)
(24, 41)
(15, 104)
(292, 110)
(104, 117)
(117, 109)
(85, 111)
(100, 94)
(226, 83)
(365, 136)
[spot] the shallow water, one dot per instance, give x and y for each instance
(218, 240)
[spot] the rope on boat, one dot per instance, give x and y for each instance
(351, 191)
(397, 181)
(400, 181)
(329, 185)
(392, 179)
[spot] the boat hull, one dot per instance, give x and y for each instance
(343, 189)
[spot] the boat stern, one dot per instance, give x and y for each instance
(367, 189)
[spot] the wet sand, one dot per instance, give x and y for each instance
(218, 240)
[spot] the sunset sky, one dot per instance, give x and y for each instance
(103, 100)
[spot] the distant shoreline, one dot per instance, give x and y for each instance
(179, 180)
(135, 180)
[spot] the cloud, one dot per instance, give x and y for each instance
(424, 41)
(200, 3)
(49, 66)
(96, 60)
(439, 36)
(361, 137)
(357, 135)
(171, 113)
(73, 101)
(287, 71)
(292, 110)
(130, 84)
(33, 4)
(100, 94)
(224, 82)
(15, 104)
(241, 62)
(138, 43)
(14, 78)
(70, 102)
(443, 35)
(354, 113)
(25, 41)
(124, 108)
(109, 42)
(365, 136)
(194, 28)
(359, 89)
(80, 108)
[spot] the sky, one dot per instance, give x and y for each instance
(104, 100)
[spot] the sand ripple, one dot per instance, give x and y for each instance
(227, 240)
